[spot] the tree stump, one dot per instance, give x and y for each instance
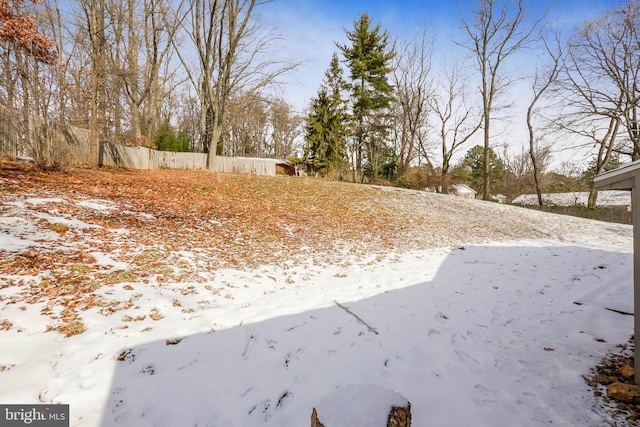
(362, 406)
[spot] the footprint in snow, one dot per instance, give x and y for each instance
(484, 395)
(261, 410)
(441, 316)
(148, 370)
(294, 355)
(117, 401)
(265, 408)
(284, 399)
(469, 361)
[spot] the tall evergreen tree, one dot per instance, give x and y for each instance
(317, 132)
(368, 58)
(336, 84)
(326, 131)
(336, 88)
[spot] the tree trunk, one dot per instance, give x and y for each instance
(593, 198)
(96, 18)
(487, 158)
(213, 148)
(26, 100)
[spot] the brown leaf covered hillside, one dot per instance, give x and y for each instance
(178, 226)
(246, 219)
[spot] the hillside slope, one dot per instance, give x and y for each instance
(250, 220)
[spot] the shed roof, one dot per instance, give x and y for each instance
(463, 188)
(622, 178)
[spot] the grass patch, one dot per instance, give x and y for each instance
(5, 325)
(69, 329)
(119, 276)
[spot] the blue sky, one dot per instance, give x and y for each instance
(311, 28)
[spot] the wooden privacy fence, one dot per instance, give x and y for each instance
(9, 133)
(251, 165)
(46, 142)
(122, 156)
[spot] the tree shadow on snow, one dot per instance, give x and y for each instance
(492, 320)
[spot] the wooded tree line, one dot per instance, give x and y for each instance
(197, 75)
(394, 110)
(182, 75)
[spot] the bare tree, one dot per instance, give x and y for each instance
(285, 128)
(141, 43)
(234, 53)
(519, 174)
(495, 31)
(621, 54)
(187, 116)
(95, 15)
(70, 89)
(260, 127)
(413, 81)
(247, 126)
(457, 121)
(602, 85)
(56, 27)
(542, 81)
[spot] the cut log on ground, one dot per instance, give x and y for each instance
(362, 406)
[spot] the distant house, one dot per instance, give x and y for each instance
(462, 190)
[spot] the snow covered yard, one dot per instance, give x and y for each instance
(104, 307)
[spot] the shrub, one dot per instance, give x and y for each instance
(168, 139)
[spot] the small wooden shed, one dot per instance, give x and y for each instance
(627, 177)
(462, 190)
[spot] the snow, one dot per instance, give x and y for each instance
(97, 205)
(469, 334)
(358, 404)
(577, 198)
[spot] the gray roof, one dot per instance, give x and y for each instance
(463, 188)
(622, 178)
